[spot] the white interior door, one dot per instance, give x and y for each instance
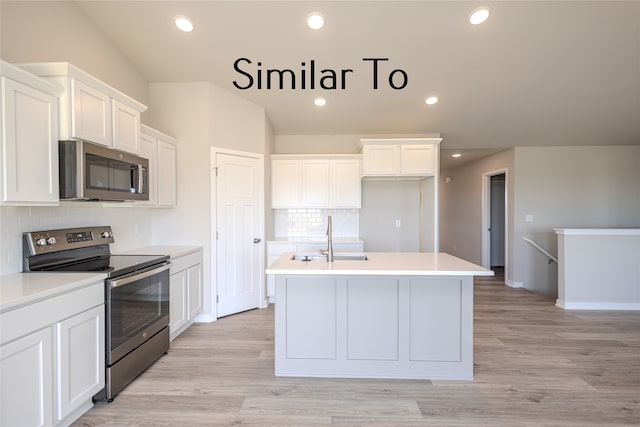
(239, 233)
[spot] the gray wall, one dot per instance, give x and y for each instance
(461, 207)
(568, 187)
(384, 202)
(58, 31)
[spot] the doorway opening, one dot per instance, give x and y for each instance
(494, 221)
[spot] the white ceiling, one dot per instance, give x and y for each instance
(536, 73)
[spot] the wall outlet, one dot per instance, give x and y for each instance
(398, 223)
(528, 218)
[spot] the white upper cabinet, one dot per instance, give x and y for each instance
(90, 115)
(345, 183)
(412, 157)
(29, 139)
(417, 159)
(91, 110)
(125, 127)
(315, 181)
(161, 150)
(381, 159)
(285, 183)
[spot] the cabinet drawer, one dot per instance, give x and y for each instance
(24, 320)
(185, 261)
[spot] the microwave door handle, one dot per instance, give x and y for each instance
(140, 179)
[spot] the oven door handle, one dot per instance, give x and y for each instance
(139, 276)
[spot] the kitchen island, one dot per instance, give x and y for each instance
(393, 315)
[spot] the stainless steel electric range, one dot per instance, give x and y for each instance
(136, 295)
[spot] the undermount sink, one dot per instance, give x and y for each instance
(338, 256)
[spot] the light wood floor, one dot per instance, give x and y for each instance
(535, 365)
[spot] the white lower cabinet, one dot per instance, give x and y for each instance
(26, 372)
(80, 360)
(185, 292)
(52, 358)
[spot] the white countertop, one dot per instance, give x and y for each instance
(172, 251)
(383, 263)
(316, 239)
(598, 231)
(17, 290)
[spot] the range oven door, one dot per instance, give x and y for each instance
(137, 307)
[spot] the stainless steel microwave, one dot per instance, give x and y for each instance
(92, 172)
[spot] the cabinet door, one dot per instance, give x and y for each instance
(178, 300)
(166, 174)
(417, 159)
(80, 359)
(30, 144)
(345, 183)
(126, 128)
(91, 114)
(26, 369)
(381, 159)
(315, 183)
(148, 150)
(194, 279)
(285, 183)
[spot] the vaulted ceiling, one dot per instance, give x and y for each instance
(535, 73)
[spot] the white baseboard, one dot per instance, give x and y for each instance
(627, 306)
(204, 318)
(514, 284)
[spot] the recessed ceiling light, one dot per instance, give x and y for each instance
(431, 100)
(479, 15)
(183, 23)
(315, 20)
(456, 155)
(320, 102)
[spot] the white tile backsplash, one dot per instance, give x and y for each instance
(131, 226)
(310, 222)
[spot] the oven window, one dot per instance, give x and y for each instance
(108, 174)
(137, 305)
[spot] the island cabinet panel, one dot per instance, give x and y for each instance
(311, 318)
(374, 326)
(436, 308)
(372, 319)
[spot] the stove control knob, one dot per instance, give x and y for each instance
(41, 241)
(51, 240)
(106, 234)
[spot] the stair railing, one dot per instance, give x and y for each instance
(550, 257)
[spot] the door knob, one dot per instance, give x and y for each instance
(257, 240)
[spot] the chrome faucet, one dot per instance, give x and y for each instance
(329, 251)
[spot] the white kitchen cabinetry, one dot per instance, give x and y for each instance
(315, 181)
(185, 292)
(26, 369)
(29, 139)
(277, 248)
(52, 358)
(91, 110)
(161, 150)
(414, 157)
(80, 359)
(285, 183)
(126, 127)
(89, 114)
